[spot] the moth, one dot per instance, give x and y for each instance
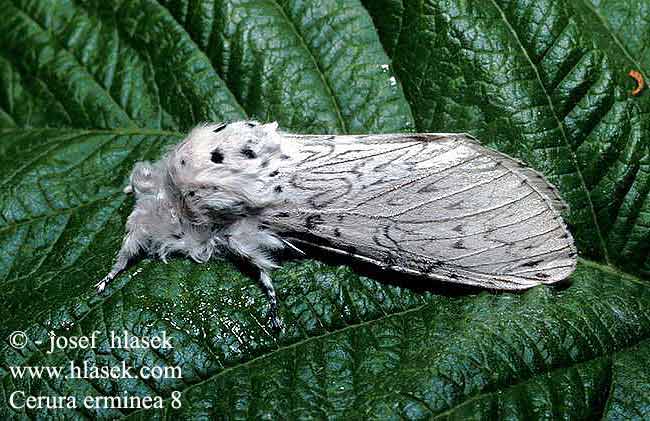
(435, 206)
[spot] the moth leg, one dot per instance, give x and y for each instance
(267, 285)
(246, 241)
(130, 248)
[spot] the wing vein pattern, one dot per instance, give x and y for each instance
(438, 206)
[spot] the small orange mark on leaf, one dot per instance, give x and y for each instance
(640, 83)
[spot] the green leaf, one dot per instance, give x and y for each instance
(89, 87)
(628, 24)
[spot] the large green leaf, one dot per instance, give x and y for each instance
(89, 87)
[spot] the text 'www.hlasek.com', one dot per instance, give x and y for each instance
(90, 370)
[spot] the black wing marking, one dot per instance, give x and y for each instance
(434, 205)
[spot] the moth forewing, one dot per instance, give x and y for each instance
(437, 205)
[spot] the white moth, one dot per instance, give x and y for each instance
(435, 206)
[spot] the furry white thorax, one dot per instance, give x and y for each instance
(202, 197)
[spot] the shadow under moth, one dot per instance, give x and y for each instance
(435, 206)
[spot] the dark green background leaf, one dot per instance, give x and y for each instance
(89, 87)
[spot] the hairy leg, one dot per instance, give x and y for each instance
(246, 240)
(267, 285)
(130, 247)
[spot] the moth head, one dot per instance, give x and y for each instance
(144, 179)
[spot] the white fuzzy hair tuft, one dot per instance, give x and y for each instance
(201, 198)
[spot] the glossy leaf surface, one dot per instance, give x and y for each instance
(87, 88)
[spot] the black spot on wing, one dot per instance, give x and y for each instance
(248, 153)
(532, 263)
(312, 221)
(216, 156)
(459, 245)
(423, 138)
(220, 128)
